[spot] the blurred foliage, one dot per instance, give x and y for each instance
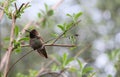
(112, 6)
(45, 14)
(65, 66)
(89, 32)
(32, 73)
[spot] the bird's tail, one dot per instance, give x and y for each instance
(42, 52)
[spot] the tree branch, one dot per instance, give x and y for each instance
(65, 31)
(3, 61)
(60, 45)
(10, 46)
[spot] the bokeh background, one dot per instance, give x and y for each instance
(100, 27)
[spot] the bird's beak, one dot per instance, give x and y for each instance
(27, 31)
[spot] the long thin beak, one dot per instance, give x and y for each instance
(27, 31)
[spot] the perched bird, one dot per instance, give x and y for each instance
(37, 43)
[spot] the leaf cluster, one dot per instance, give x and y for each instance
(12, 9)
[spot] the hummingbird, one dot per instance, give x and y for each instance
(37, 43)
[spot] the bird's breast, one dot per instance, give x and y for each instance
(35, 43)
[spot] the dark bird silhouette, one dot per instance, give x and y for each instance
(37, 43)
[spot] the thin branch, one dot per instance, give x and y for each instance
(3, 60)
(54, 39)
(15, 7)
(8, 53)
(66, 31)
(10, 46)
(81, 51)
(21, 7)
(57, 4)
(17, 62)
(26, 45)
(60, 45)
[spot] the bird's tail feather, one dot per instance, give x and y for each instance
(42, 52)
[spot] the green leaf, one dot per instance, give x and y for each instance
(69, 60)
(69, 15)
(50, 12)
(39, 15)
(73, 69)
(24, 39)
(54, 67)
(16, 31)
(32, 73)
(87, 69)
(44, 22)
(77, 15)
(54, 35)
(69, 25)
(46, 7)
(18, 49)
(61, 27)
(80, 63)
(64, 59)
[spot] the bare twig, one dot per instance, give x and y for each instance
(60, 45)
(17, 62)
(21, 7)
(81, 51)
(57, 4)
(16, 7)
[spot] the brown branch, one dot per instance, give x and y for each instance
(10, 46)
(8, 53)
(57, 4)
(21, 7)
(15, 7)
(60, 45)
(3, 60)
